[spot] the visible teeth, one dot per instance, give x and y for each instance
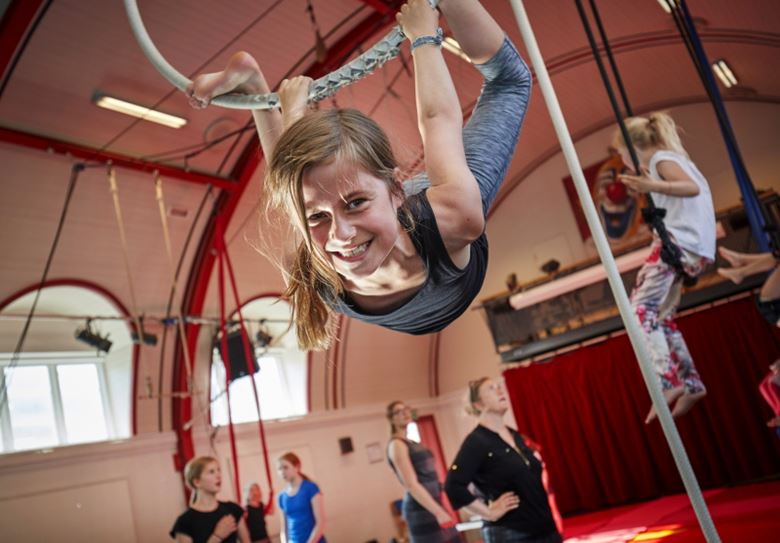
(356, 251)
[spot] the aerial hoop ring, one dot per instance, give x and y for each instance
(386, 49)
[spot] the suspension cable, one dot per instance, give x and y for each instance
(125, 256)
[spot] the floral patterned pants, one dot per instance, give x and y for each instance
(654, 299)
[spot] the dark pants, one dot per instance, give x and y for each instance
(500, 534)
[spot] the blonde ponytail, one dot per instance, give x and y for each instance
(656, 130)
(665, 132)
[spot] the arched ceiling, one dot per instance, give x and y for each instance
(56, 55)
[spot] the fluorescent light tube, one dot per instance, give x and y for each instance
(134, 110)
(667, 5)
(724, 73)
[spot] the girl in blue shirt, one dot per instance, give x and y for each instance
(303, 518)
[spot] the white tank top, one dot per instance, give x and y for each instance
(690, 220)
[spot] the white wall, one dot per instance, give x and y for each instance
(122, 491)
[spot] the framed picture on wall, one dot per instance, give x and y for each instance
(618, 208)
(374, 452)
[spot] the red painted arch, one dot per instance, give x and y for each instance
(118, 305)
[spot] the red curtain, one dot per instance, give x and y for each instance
(429, 437)
(586, 408)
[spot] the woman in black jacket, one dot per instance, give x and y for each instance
(506, 472)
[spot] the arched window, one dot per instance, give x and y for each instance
(61, 390)
(282, 377)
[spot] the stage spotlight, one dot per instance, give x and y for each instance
(93, 339)
(263, 338)
(149, 339)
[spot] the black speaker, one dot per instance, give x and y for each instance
(345, 444)
(237, 356)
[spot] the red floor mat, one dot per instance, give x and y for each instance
(745, 514)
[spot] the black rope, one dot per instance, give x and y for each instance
(652, 215)
(23, 45)
(611, 59)
(74, 175)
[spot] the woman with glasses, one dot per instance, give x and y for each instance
(414, 465)
(507, 473)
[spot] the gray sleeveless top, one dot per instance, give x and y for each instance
(447, 292)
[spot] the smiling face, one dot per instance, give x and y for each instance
(351, 216)
(210, 479)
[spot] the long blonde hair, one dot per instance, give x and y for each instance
(314, 140)
(656, 130)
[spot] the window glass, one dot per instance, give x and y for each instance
(272, 389)
(31, 407)
(284, 369)
(413, 432)
(82, 404)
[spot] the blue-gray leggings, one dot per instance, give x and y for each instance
(490, 135)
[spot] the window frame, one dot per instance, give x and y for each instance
(275, 353)
(51, 361)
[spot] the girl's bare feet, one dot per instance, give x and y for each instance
(242, 75)
(735, 275)
(670, 395)
(686, 402)
(732, 257)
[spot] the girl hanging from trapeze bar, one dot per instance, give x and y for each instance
(407, 256)
(678, 186)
